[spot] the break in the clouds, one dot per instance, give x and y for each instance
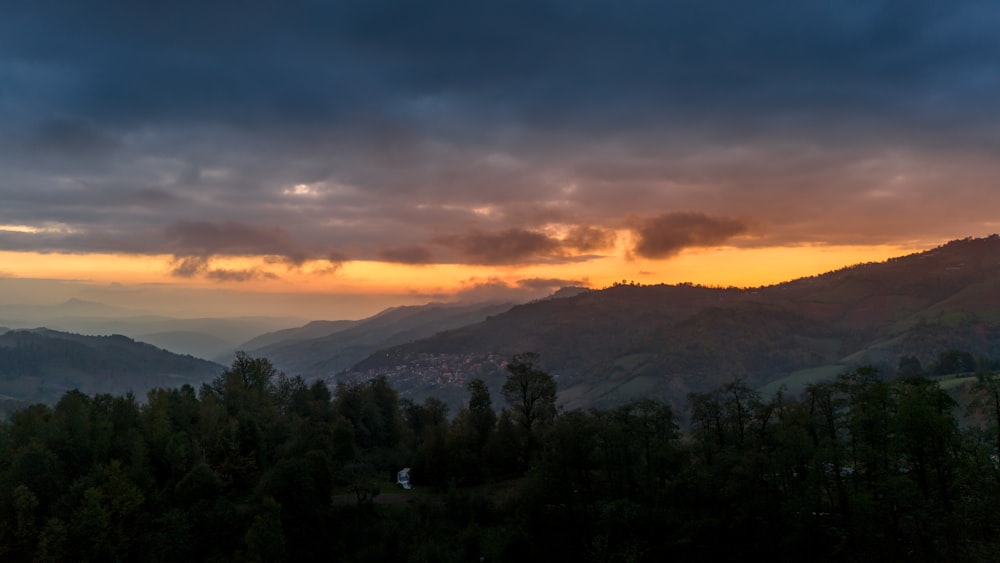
(492, 133)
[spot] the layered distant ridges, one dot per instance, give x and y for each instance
(665, 340)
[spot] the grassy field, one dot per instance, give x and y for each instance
(951, 383)
(799, 380)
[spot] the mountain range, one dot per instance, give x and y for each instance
(321, 348)
(603, 346)
(630, 341)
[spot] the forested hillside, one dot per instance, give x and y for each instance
(322, 348)
(41, 365)
(255, 466)
(202, 337)
(628, 341)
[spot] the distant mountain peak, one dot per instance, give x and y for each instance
(78, 306)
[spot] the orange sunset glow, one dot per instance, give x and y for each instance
(723, 267)
(474, 159)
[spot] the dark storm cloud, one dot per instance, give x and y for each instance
(78, 138)
(198, 238)
(227, 127)
(194, 266)
(510, 246)
(449, 67)
(189, 266)
(589, 239)
(666, 235)
(243, 275)
(407, 255)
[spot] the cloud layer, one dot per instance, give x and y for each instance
(502, 133)
(666, 235)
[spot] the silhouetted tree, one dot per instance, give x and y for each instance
(531, 394)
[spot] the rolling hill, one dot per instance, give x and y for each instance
(314, 329)
(208, 337)
(323, 348)
(40, 365)
(627, 341)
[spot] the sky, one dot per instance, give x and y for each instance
(330, 158)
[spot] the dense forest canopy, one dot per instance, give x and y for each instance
(256, 466)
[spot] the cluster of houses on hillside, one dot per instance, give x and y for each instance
(440, 370)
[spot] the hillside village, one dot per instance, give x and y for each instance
(428, 371)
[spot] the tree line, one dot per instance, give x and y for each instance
(257, 466)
